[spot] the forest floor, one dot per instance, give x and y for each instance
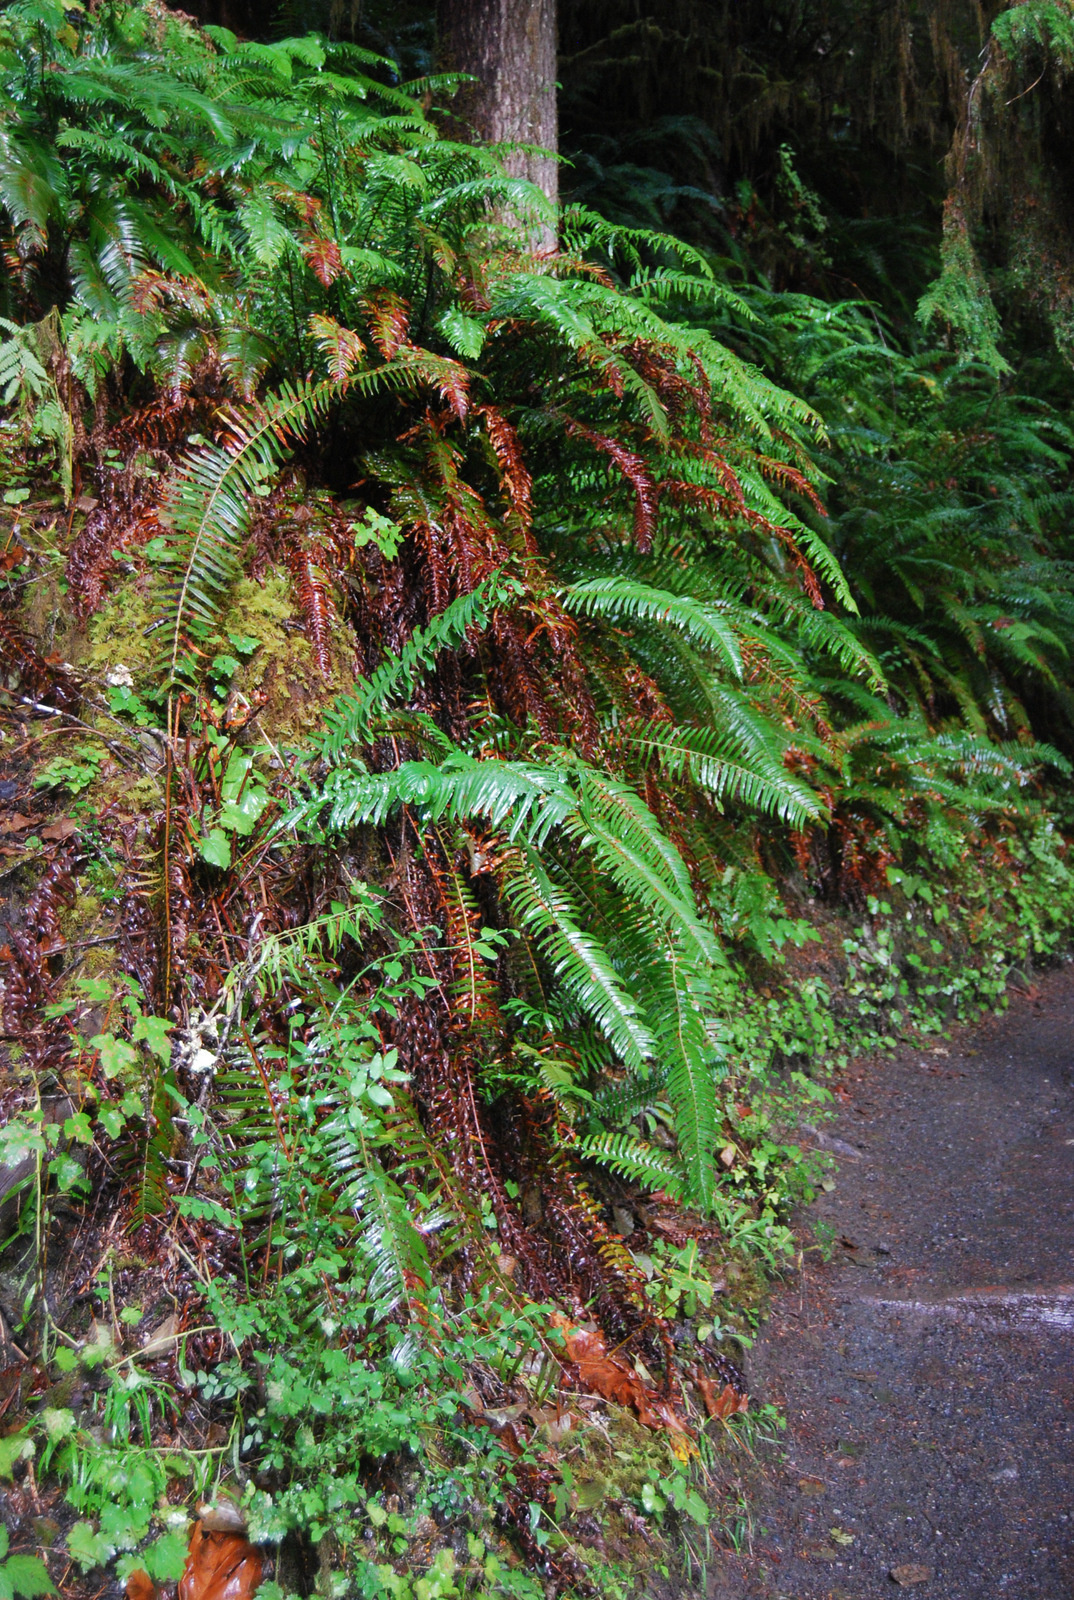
(925, 1369)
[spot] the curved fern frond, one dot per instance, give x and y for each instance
(707, 757)
(350, 720)
(627, 599)
(206, 509)
(637, 1161)
(578, 960)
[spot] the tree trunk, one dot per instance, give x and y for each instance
(510, 48)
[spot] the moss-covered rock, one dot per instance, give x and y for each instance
(282, 670)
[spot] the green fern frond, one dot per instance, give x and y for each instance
(206, 510)
(626, 599)
(578, 961)
(707, 757)
(351, 719)
(637, 1161)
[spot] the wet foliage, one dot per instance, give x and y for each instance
(448, 685)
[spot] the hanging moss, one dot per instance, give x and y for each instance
(960, 302)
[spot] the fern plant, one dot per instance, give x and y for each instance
(610, 650)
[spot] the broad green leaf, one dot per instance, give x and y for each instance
(215, 849)
(14, 1447)
(86, 1546)
(59, 1422)
(117, 1056)
(154, 1031)
(165, 1557)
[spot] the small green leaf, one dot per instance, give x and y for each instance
(16, 497)
(242, 816)
(95, 990)
(86, 1547)
(235, 775)
(59, 1422)
(19, 1140)
(123, 1526)
(165, 1558)
(116, 1054)
(66, 1171)
(28, 1576)
(112, 1119)
(215, 849)
(13, 1448)
(154, 1031)
(192, 1205)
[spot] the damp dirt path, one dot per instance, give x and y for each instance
(927, 1370)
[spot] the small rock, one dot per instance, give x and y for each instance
(911, 1572)
(223, 1517)
(829, 1141)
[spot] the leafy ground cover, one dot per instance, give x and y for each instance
(486, 729)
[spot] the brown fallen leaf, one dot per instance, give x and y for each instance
(721, 1403)
(219, 1566)
(555, 1423)
(163, 1337)
(63, 829)
(140, 1586)
(221, 1516)
(730, 1403)
(613, 1379)
(911, 1572)
(16, 823)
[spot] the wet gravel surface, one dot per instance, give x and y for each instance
(927, 1370)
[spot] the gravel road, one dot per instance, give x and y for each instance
(927, 1369)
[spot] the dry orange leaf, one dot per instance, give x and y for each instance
(219, 1566)
(611, 1378)
(721, 1403)
(140, 1586)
